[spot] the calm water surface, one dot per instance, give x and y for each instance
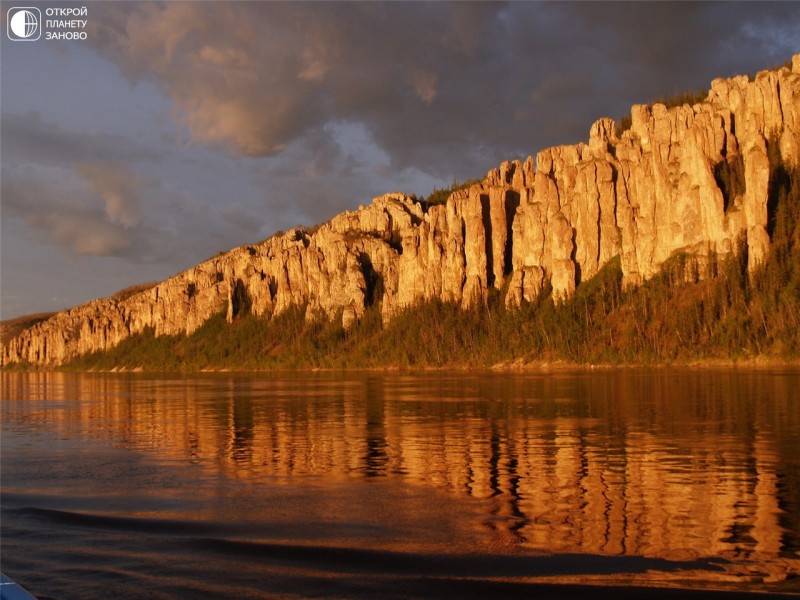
(390, 485)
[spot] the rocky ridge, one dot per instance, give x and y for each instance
(690, 179)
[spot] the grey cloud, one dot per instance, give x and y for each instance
(54, 204)
(442, 87)
(117, 187)
(557, 86)
(324, 152)
(83, 233)
(78, 191)
(241, 76)
(97, 210)
(242, 220)
(28, 138)
(289, 69)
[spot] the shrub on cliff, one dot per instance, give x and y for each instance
(440, 196)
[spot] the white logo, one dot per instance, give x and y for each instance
(24, 23)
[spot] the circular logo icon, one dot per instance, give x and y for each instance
(23, 23)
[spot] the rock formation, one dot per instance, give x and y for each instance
(690, 179)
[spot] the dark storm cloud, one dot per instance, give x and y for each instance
(440, 86)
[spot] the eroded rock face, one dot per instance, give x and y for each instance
(658, 188)
(691, 178)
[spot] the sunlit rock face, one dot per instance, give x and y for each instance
(658, 188)
(688, 179)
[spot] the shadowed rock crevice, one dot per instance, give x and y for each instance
(779, 182)
(512, 203)
(239, 303)
(487, 228)
(374, 282)
(729, 176)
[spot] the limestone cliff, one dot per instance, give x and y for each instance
(691, 179)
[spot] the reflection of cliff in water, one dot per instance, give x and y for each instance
(671, 464)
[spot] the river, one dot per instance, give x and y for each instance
(401, 485)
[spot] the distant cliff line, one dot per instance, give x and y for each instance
(691, 181)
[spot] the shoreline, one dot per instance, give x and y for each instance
(756, 363)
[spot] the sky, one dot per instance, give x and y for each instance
(176, 130)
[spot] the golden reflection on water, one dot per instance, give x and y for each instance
(668, 464)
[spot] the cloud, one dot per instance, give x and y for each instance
(76, 189)
(256, 77)
(118, 189)
(29, 138)
(425, 83)
(101, 195)
(83, 233)
(440, 86)
(105, 210)
(57, 204)
(239, 77)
